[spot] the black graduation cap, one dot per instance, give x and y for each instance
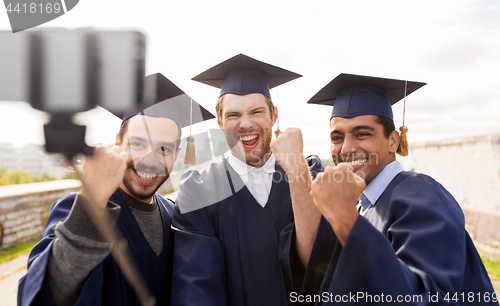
(356, 95)
(243, 75)
(162, 98)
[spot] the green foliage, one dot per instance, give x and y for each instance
(4, 177)
(47, 177)
(492, 266)
(21, 177)
(16, 250)
(69, 176)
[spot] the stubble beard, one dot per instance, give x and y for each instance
(262, 154)
(141, 192)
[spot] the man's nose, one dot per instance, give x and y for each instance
(151, 161)
(246, 122)
(349, 146)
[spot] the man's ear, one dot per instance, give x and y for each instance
(117, 140)
(219, 123)
(275, 115)
(393, 141)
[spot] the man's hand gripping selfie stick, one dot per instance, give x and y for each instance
(63, 72)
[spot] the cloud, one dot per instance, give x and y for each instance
(458, 54)
(473, 112)
(485, 16)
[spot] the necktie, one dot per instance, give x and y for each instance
(363, 203)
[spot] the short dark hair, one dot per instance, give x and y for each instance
(124, 129)
(387, 124)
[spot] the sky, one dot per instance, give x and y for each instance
(453, 46)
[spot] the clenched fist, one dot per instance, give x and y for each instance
(335, 193)
(103, 172)
(287, 150)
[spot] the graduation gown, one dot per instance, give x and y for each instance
(228, 253)
(411, 244)
(106, 285)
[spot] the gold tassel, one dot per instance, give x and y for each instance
(403, 149)
(403, 142)
(277, 132)
(190, 157)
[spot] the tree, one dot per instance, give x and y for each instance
(4, 177)
(69, 176)
(47, 177)
(21, 177)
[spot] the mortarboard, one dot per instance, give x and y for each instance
(243, 75)
(162, 98)
(356, 95)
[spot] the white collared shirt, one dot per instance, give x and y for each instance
(257, 180)
(378, 185)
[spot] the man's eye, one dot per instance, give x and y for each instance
(165, 150)
(364, 134)
(336, 139)
(135, 144)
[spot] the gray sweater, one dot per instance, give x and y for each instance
(79, 248)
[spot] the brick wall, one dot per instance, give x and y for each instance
(24, 208)
(484, 229)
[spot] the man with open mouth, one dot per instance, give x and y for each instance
(72, 263)
(405, 242)
(228, 216)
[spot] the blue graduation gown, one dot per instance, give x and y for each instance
(105, 285)
(227, 253)
(413, 242)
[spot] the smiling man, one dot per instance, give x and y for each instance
(408, 243)
(252, 117)
(72, 263)
(147, 171)
(228, 216)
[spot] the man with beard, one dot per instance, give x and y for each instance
(72, 263)
(406, 240)
(228, 216)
